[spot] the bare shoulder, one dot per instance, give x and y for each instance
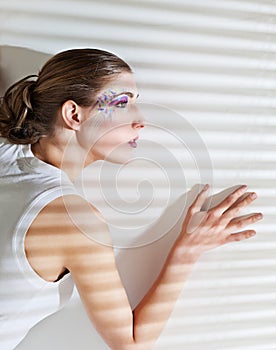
(61, 232)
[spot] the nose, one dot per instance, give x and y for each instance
(138, 121)
(139, 124)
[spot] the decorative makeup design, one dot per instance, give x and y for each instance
(110, 99)
(107, 102)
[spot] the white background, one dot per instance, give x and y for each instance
(213, 62)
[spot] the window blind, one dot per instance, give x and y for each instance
(211, 63)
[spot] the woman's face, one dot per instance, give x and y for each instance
(112, 128)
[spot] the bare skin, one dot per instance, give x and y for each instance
(55, 245)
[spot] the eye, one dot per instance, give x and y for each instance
(119, 102)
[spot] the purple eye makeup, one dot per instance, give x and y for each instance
(119, 101)
(111, 99)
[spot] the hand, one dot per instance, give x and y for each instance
(205, 230)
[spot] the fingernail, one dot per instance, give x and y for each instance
(244, 187)
(259, 216)
(205, 188)
(253, 195)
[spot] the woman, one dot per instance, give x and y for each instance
(79, 109)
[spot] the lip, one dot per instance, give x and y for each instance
(133, 143)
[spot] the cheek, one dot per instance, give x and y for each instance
(121, 115)
(105, 135)
(97, 129)
(90, 132)
(113, 145)
(114, 134)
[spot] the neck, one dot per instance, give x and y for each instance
(64, 154)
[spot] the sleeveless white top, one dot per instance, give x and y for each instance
(26, 186)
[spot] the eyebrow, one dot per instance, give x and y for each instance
(128, 93)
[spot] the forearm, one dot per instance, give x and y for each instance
(95, 273)
(151, 315)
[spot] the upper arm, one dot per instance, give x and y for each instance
(89, 256)
(70, 234)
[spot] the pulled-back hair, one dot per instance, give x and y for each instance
(29, 108)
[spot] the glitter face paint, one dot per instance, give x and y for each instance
(106, 105)
(111, 99)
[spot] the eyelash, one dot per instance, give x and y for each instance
(120, 103)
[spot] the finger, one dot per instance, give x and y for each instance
(236, 208)
(242, 221)
(199, 201)
(219, 209)
(240, 236)
(195, 221)
(240, 199)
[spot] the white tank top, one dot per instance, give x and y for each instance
(26, 186)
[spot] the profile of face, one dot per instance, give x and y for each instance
(112, 129)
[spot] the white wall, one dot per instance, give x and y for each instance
(209, 64)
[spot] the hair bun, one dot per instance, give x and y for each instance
(15, 110)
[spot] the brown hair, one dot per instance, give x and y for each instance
(28, 109)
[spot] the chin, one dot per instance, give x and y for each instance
(119, 158)
(120, 155)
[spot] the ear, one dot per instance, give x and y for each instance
(72, 114)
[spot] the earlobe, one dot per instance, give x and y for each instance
(71, 114)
